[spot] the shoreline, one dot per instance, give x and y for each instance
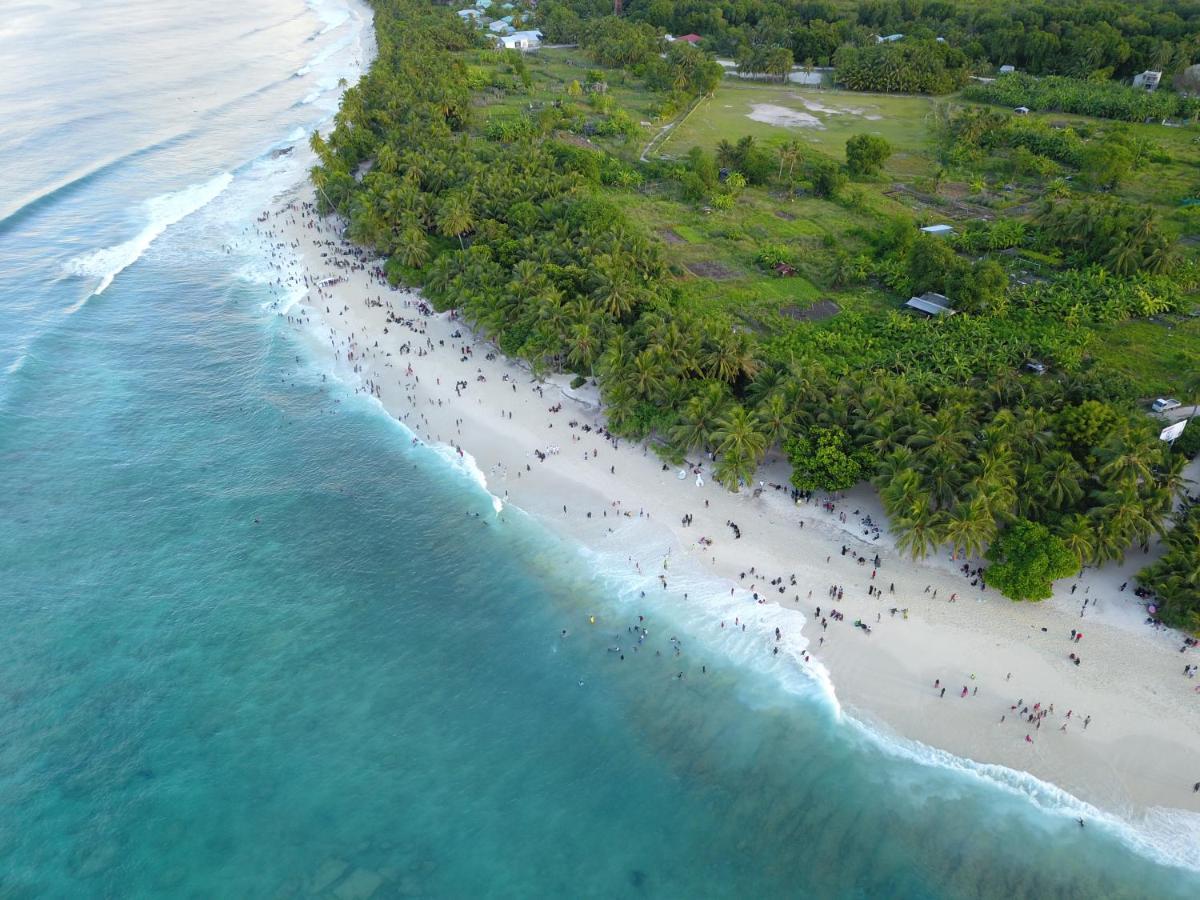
(1135, 758)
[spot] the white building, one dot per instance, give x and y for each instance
(938, 230)
(521, 40)
(888, 38)
(469, 14)
(1147, 80)
(1007, 70)
(500, 27)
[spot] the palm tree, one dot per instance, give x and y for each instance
(788, 154)
(413, 247)
(1079, 536)
(454, 217)
(1059, 481)
(730, 356)
(675, 346)
(386, 159)
(944, 435)
(774, 418)
(583, 345)
(527, 279)
(614, 363)
(741, 445)
(745, 144)
(367, 226)
(919, 533)
(1121, 519)
(700, 416)
(903, 495)
(727, 154)
(968, 528)
(1123, 458)
(647, 376)
(995, 483)
(615, 291)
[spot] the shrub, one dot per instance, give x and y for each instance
(866, 153)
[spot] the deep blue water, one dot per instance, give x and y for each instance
(256, 644)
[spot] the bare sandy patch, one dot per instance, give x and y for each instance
(771, 114)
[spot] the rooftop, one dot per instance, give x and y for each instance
(931, 304)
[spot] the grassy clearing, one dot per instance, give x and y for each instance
(824, 117)
(1155, 354)
(714, 254)
(551, 72)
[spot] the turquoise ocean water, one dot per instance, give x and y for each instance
(253, 643)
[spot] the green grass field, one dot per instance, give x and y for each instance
(823, 117)
(1155, 354)
(714, 254)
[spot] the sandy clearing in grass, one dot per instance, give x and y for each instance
(770, 114)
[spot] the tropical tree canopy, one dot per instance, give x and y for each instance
(1027, 559)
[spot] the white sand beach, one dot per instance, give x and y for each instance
(1121, 730)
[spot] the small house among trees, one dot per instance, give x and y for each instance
(931, 304)
(521, 40)
(1147, 81)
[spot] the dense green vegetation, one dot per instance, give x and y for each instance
(1106, 99)
(510, 187)
(1175, 579)
(911, 66)
(1080, 38)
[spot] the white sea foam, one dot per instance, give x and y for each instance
(325, 55)
(714, 611)
(1167, 836)
(163, 212)
(337, 22)
(332, 15)
(465, 463)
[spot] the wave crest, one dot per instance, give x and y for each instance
(164, 211)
